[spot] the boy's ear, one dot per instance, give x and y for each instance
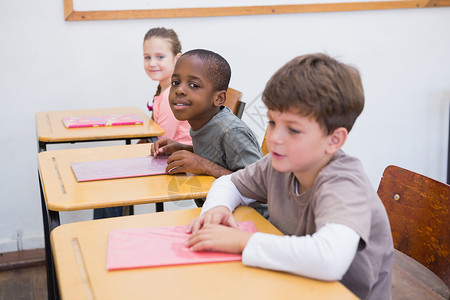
(177, 56)
(219, 98)
(337, 140)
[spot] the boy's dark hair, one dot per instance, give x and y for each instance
(216, 67)
(317, 86)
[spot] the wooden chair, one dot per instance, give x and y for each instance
(418, 210)
(234, 102)
(264, 148)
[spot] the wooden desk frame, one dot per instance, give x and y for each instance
(71, 15)
(80, 250)
(57, 181)
(50, 129)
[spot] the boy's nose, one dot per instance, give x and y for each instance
(179, 89)
(275, 136)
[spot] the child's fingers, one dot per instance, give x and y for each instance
(174, 166)
(231, 221)
(195, 225)
(201, 246)
(199, 241)
(211, 219)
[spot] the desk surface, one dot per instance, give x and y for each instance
(80, 256)
(64, 193)
(50, 128)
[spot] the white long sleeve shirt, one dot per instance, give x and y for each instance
(324, 255)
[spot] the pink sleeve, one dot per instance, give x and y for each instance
(174, 129)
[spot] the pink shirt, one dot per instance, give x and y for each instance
(162, 114)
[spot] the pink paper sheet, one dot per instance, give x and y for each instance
(119, 168)
(160, 246)
(104, 120)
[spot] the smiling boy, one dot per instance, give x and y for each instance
(221, 142)
(334, 224)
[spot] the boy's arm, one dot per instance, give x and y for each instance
(325, 255)
(224, 193)
(222, 199)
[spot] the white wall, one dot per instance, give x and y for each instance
(47, 63)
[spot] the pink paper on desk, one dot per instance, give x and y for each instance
(160, 246)
(103, 120)
(119, 168)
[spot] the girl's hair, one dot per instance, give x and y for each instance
(170, 36)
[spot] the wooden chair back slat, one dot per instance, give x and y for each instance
(418, 211)
(233, 101)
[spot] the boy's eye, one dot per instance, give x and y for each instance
(175, 82)
(295, 131)
(160, 57)
(270, 123)
(193, 85)
(147, 57)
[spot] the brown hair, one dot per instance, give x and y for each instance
(317, 86)
(168, 34)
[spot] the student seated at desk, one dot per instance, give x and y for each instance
(335, 225)
(221, 142)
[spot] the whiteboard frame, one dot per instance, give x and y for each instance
(71, 15)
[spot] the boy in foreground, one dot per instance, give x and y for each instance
(335, 225)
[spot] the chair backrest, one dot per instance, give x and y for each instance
(418, 211)
(234, 102)
(264, 148)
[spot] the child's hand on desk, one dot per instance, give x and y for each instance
(186, 162)
(189, 162)
(216, 215)
(213, 237)
(164, 146)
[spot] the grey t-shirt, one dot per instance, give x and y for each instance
(340, 194)
(227, 141)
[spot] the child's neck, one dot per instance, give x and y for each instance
(307, 178)
(165, 84)
(199, 123)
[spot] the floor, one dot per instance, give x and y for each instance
(23, 275)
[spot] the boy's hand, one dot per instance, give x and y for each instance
(213, 237)
(189, 162)
(186, 162)
(164, 146)
(216, 215)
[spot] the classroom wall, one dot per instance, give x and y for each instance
(50, 64)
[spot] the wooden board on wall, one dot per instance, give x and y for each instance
(185, 12)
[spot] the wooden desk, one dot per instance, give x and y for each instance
(51, 130)
(80, 257)
(61, 192)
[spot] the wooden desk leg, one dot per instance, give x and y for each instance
(52, 287)
(159, 206)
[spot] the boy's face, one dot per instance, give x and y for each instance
(297, 144)
(192, 96)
